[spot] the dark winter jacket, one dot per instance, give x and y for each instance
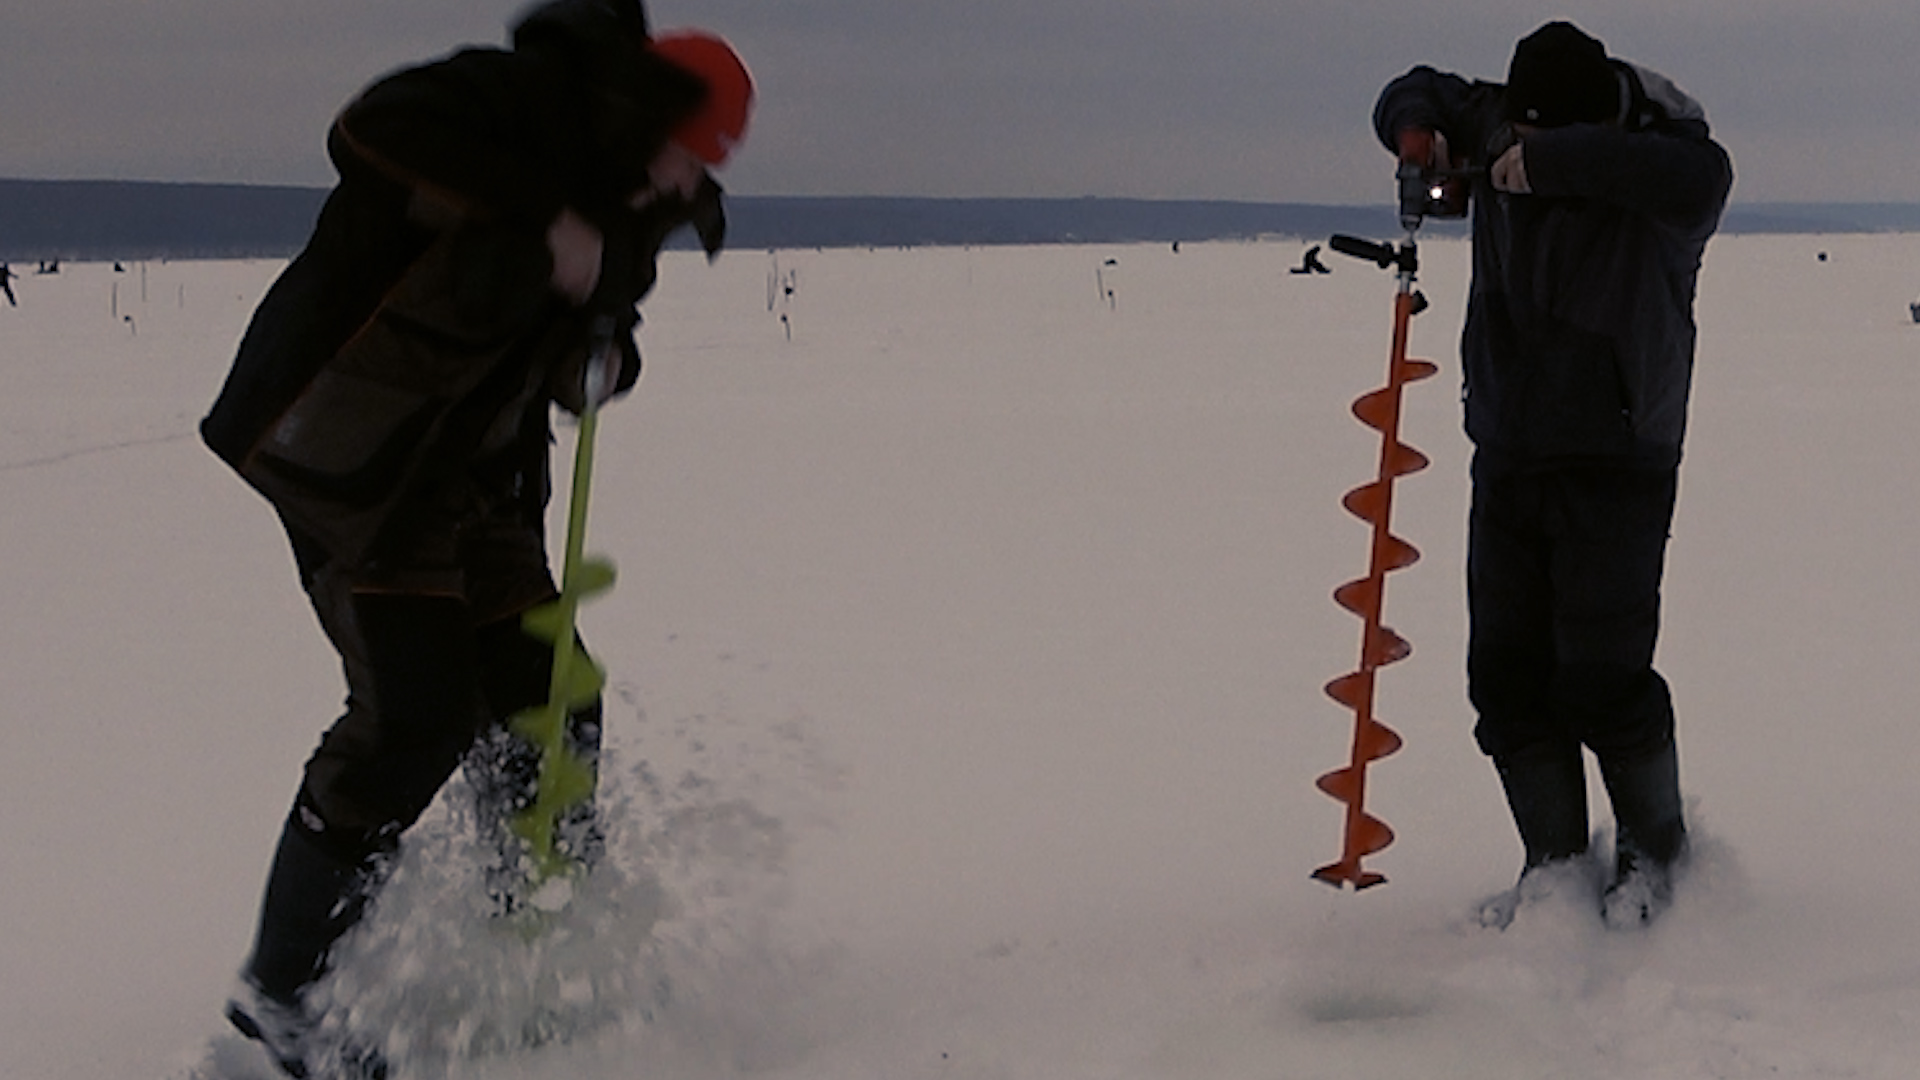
(1579, 334)
(415, 344)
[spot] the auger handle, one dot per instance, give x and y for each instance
(1405, 258)
(1382, 255)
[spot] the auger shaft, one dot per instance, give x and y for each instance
(1364, 834)
(565, 778)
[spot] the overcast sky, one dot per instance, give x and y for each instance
(1264, 100)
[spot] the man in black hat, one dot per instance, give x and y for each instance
(1598, 188)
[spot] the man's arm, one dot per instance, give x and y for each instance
(1680, 179)
(1428, 100)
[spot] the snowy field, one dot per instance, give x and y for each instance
(967, 662)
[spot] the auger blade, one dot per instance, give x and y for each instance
(1404, 460)
(1370, 835)
(1359, 597)
(534, 724)
(1365, 835)
(594, 576)
(1376, 741)
(547, 622)
(1342, 784)
(1348, 872)
(1387, 647)
(583, 683)
(1376, 408)
(1397, 554)
(567, 781)
(1353, 690)
(1367, 502)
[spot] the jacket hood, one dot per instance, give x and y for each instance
(577, 24)
(633, 97)
(1654, 99)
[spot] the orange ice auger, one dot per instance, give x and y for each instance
(1372, 503)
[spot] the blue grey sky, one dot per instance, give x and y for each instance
(1264, 100)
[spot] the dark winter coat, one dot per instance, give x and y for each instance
(414, 346)
(1579, 336)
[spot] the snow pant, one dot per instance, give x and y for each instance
(1563, 582)
(435, 663)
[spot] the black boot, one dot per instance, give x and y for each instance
(1546, 786)
(313, 897)
(1650, 835)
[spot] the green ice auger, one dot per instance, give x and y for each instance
(566, 779)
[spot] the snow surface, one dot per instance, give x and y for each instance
(967, 664)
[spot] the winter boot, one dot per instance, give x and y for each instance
(291, 1037)
(1650, 836)
(1570, 882)
(1546, 788)
(282, 1028)
(313, 897)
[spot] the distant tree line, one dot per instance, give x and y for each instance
(111, 219)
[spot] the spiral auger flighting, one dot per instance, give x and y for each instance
(1372, 503)
(566, 778)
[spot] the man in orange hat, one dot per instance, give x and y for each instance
(498, 217)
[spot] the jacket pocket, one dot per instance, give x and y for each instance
(396, 408)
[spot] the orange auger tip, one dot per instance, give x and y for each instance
(1372, 503)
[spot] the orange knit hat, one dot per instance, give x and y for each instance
(720, 123)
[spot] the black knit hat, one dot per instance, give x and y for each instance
(1559, 75)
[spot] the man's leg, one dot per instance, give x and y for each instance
(412, 711)
(1607, 575)
(1510, 660)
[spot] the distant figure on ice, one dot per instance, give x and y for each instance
(497, 212)
(1915, 309)
(1310, 263)
(1600, 191)
(6, 284)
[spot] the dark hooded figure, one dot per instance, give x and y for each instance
(497, 218)
(1599, 188)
